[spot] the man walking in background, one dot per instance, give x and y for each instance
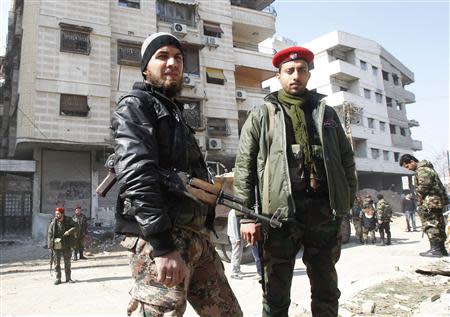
(409, 210)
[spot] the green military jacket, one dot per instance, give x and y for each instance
(384, 211)
(81, 224)
(55, 231)
(257, 146)
(430, 192)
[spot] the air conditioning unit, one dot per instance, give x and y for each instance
(188, 81)
(200, 141)
(241, 94)
(214, 144)
(179, 29)
(211, 41)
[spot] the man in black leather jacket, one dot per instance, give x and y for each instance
(172, 258)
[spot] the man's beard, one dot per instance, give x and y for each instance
(170, 88)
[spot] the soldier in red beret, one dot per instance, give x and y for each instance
(60, 240)
(295, 150)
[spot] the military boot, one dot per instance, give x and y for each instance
(381, 243)
(68, 279)
(57, 282)
(388, 239)
(435, 250)
(82, 257)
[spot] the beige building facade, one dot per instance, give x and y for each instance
(74, 59)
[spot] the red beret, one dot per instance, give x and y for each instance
(291, 54)
(60, 209)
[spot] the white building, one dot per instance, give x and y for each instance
(359, 72)
(68, 62)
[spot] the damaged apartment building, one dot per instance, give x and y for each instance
(67, 64)
(367, 85)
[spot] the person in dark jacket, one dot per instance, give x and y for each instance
(60, 241)
(409, 209)
(167, 233)
(81, 223)
(295, 148)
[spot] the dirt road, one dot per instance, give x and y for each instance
(384, 275)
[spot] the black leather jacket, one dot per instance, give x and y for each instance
(150, 133)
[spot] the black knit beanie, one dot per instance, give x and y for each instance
(153, 43)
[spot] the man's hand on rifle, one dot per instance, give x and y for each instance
(251, 232)
(170, 268)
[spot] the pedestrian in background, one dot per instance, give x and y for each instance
(81, 224)
(384, 214)
(431, 199)
(368, 222)
(60, 241)
(356, 217)
(236, 244)
(409, 210)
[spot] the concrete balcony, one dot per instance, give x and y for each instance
(338, 98)
(252, 4)
(405, 95)
(413, 123)
(248, 97)
(378, 165)
(249, 56)
(343, 70)
(417, 145)
(252, 26)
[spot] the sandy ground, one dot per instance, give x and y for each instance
(384, 275)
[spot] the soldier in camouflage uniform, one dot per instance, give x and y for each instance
(60, 241)
(295, 149)
(431, 199)
(384, 214)
(356, 213)
(81, 223)
(167, 231)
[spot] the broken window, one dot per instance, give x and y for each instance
(385, 75)
(212, 29)
(363, 64)
(129, 53)
(172, 11)
(379, 97)
(393, 129)
(130, 3)
(75, 39)
(191, 60)
(73, 105)
(218, 127)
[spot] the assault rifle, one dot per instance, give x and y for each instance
(195, 188)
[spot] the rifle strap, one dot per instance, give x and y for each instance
(266, 188)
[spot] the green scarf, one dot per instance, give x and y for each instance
(297, 115)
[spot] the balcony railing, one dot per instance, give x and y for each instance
(253, 47)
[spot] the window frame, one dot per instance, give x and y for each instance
(367, 93)
(212, 26)
(71, 112)
(82, 31)
(222, 125)
(129, 44)
(215, 80)
(363, 64)
(163, 7)
(126, 4)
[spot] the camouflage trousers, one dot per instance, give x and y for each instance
(318, 233)
(66, 254)
(433, 224)
(366, 232)
(358, 228)
(205, 285)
